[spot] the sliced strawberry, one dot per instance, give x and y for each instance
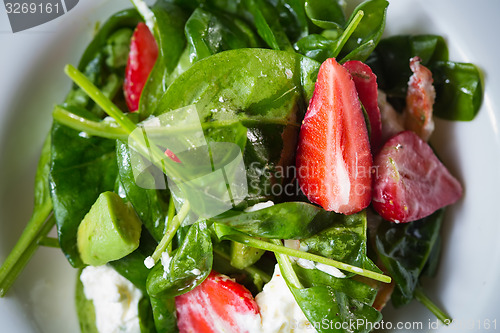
(366, 85)
(419, 100)
(217, 305)
(141, 59)
(411, 183)
(333, 154)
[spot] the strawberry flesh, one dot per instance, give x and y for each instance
(333, 155)
(141, 59)
(367, 88)
(219, 304)
(411, 183)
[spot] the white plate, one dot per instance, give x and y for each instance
(32, 81)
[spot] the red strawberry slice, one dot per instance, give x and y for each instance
(141, 59)
(333, 155)
(411, 183)
(217, 305)
(366, 85)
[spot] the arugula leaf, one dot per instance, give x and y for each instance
(404, 249)
(190, 264)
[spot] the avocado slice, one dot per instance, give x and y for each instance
(110, 230)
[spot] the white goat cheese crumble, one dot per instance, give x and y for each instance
(115, 299)
(279, 310)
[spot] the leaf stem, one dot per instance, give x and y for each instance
(172, 229)
(97, 96)
(286, 267)
(353, 24)
(240, 237)
(439, 313)
(49, 242)
(103, 129)
(170, 217)
(37, 228)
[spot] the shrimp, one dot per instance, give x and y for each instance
(419, 100)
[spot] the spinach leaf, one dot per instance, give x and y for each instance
(132, 266)
(459, 91)
(328, 310)
(164, 314)
(264, 91)
(404, 250)
(100, 57)
(211, 32)
(352, 288)
(368, 32)
(150, 205)
(459, 88)
(345, 241)
(146, 320)
(293, 18)
(190, 264)
(84, 308)
(269, 28)
(326, 14)
(289, 220)
(79, 165)
(317, 47)
(390, 60)
(169, 35)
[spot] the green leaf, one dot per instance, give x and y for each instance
(169, 34)
(150, 205)
(352, 288)
(326, 14)
(289, 220)
(391, 59)
(344, 241)
(269, 28)
(190, 264)
(328, 309)
(404, 249)
(459, 90)
(98, 61)
(263, 90)
(79, 165)
(84, 309)
(164, 314)
(368, 32)
(212, 32)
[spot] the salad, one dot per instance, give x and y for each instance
(342, 199)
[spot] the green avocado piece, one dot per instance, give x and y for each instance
(243, 255)
(110, 230)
